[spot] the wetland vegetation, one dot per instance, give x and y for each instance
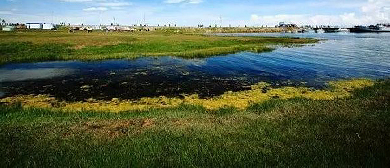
(344, 124)
(45, 46)
(296, 132)
(241, 100)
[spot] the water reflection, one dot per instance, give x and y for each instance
(14, 75)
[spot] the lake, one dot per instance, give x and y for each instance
(340, 56)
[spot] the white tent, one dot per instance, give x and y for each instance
(48, 26)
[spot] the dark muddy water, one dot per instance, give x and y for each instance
(342, 55)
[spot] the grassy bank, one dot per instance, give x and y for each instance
(298, 132)
(42, 46)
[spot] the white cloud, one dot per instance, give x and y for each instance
(117, 8)
(195, 1)
(6, 12)
(115, 4)
(314, 12)
(378, 10)
(106, 3)
(102, 5)
(76, 0)
(336, 4)
(95, 9)
(183, 1)
(371, 12)
(271, 20)
(347, 19)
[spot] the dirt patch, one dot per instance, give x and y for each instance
(110, 129)
(147, 123)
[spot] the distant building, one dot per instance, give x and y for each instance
(97, 27)
(34, 25)
(123, 28)
(111, 28)
(40, 26)
(284, 25)
(119, 28)
(8, 28)
(48, 26)
(76, 27)
(21, 26)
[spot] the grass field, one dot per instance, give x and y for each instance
(344, 125)
(296, 132)
(45, 46)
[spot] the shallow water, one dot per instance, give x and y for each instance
(342, 55)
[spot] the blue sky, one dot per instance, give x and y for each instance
(193, 12)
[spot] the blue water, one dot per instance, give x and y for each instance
(340, 56)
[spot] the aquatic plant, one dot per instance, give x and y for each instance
(241, 100)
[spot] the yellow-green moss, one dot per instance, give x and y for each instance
(240, 100)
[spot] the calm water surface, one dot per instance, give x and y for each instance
(342, 55)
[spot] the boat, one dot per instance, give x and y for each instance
(331, 29)
(379, 28)
(344, 30)
(384, 27)
(301, 30)
(318, 30)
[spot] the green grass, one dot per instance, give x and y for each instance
(352, 132)
(42, 46)
(22, 51)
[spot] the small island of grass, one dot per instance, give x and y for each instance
(47, 46)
